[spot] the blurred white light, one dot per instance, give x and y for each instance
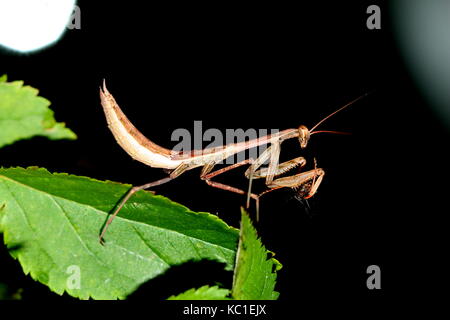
(423, 33)
(28, 25)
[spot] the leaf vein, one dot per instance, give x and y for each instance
(103, 264)
(154, 250)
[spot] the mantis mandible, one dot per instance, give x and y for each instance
(142, 149)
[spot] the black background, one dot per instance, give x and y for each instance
(260, 65)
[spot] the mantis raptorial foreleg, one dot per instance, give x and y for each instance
(272, 154)
(306, 183)
(278, 170)
(281, 168)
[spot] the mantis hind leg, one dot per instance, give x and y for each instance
(175, 173)
(207, 175)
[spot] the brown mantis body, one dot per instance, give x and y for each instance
(151, 154)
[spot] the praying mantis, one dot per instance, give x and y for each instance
(142, 149)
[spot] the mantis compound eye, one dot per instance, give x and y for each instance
(303, 136)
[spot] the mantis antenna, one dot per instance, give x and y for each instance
(333, 113)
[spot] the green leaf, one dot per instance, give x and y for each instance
(255, 274)
(3, 78)
(53, 221)
(203, 293)
(23, 114)
(3, 287)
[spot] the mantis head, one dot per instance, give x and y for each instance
(303, 136)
